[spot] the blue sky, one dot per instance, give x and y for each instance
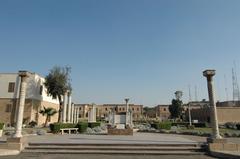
(141, 49)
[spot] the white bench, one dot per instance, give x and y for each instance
(69, 130)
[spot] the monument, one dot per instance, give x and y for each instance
(92, 114)
(120, 122)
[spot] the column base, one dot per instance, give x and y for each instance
(213, 140)
(16, 143)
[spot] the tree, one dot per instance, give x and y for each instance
(176, 107)
(57, 84)
(48, 112)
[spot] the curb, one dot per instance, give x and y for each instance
(225, 154)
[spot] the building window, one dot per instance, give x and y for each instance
(11, 86)
(137, 109)
(120, 109)
(8, 108)
(164, 109)
(106, 109)
(123, 109)
(132, 109)
(80, 108)
(41, 90)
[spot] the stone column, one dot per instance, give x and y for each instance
(69, 107)
(77, 114)
(72, 112)
(64, 111)
(18, 129)
(127, 111)
(214, 121)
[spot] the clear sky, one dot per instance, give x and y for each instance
(141, 49)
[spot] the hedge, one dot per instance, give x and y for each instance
(82, 126)
(1, 126)
(162, 125)
(95, 124)
(185, 124)
(55, 127)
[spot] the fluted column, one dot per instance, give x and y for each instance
(18, 129)
(64, 112)
(69, 107)
(127, 111)
(72, 113)
(214, 121)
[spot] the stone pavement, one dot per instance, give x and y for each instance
(136, 138)
(150, 138)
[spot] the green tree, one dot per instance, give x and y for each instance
(48, 112)
(57, 83)
(176, 107)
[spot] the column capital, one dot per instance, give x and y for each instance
(209, 74)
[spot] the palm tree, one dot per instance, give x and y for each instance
(48, 112)
(57, 84)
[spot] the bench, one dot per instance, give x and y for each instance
(69, 130)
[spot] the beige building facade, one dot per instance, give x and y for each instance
(102, 111)
(36, 99)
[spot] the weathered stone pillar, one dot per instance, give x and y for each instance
(18, 129)
(92, 114)
(77, 115)
(214, 121)
(127, 111)
(72, 113)
(64, 112)
(69, 107)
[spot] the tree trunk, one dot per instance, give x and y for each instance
(59, 111)
(45, 124)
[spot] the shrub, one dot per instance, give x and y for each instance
(95, 124)
(1, 126)
(200, 125)
(55, 127)
(238, 126)
(230, 125)
(190, 126)
(162, 125)
(82, 127)
(32, 124)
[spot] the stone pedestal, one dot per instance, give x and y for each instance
(17, 143)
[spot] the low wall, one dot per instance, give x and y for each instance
(112, 131)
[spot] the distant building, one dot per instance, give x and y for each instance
(36, 99)
(227, 111)
(104, 110)
(162, 112)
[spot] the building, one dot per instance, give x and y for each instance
(227, 111)
(162, 112)
(104, 110)
(36, 99)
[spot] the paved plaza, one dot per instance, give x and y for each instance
(142, 138)
(77, 156)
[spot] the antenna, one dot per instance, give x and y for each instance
(226, 89)
(236, 93)
(196, 95)
(189, 91)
